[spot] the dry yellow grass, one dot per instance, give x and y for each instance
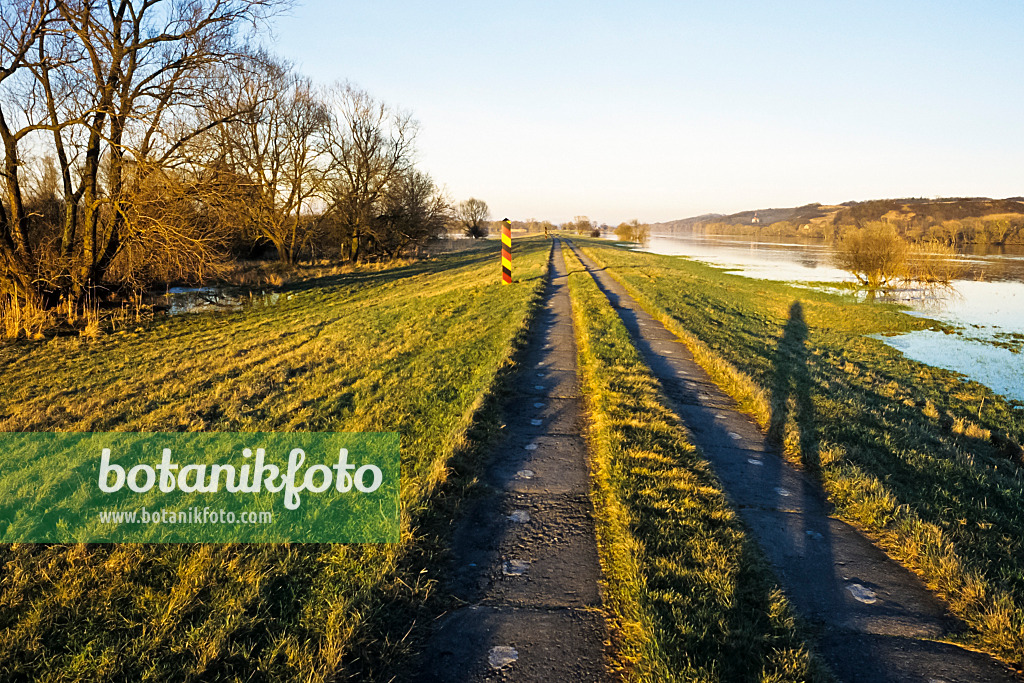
(886, 481)
(411, 349)
(689, 595)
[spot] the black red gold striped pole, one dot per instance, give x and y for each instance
(506, 251)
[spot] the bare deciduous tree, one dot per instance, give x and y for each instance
(880, 258)
(23, 23)
(172, 233)
(472, 215)
(111, 90)
(371, 146)
(582, 225)
(414, 210)
(875, 254)
(271, 153)
(137, 134)
(633, 231)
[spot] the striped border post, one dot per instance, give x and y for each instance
(506, 251)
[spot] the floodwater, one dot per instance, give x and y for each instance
(986, 306)
(180, 300)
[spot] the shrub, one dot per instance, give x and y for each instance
(875, 254)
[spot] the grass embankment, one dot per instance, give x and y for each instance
(924, 461)
(690, 596)
(413, 349)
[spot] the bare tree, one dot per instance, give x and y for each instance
(414, 210)
(271, 153)
(23, 23)
(633, 231)
(176, 235)
(582, 225)
(875, 254)
(472, 215)
(999, 231)
(113, 90)
(371, 146)
(880, 258)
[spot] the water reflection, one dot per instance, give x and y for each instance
(779, 260)
(987, 305)
(811, 259)
(180, 300)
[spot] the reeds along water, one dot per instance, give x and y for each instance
(27, 317)
(934, 263)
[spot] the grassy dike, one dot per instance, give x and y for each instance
(414, 349)
(922, 460)
(689, 595)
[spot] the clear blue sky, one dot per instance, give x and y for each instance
(663, 110)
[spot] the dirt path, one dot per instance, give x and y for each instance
(525, 554)
(873, 619)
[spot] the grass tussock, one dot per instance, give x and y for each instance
(925, 462)
(21, 318)
(690, 598)
(413, 349)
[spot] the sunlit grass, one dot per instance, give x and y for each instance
(412, 349)
(925, 461)
(690, 597)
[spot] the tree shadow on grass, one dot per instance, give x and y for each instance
(378, 277)
(791, 390)
(470, 258)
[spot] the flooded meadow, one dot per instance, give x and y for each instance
(985, 307)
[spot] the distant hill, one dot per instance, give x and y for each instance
(952, 219)
(764, 217)
(856, 213)
(686, 224)
(934, 210)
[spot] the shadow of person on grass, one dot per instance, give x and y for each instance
(791, 390)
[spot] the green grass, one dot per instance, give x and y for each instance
(689, 595)
(413, 349)
(923, 460)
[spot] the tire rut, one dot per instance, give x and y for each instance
(873, 619)
(525, 562)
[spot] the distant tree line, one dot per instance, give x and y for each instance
(143, 141)
(996, 230)
(951, 222)
(581, 225)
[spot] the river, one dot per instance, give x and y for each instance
(986, 306)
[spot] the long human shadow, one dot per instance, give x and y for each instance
(822, 564)
(791, 390)
(783, 511)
